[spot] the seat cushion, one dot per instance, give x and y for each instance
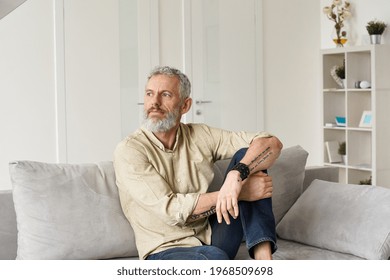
(69, 211)
(290, 250)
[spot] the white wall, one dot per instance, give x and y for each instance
(171, 33)
(129, 64)
(27, 100)
(89, 119)
(362, 12)
(291, 73)
(92, 73)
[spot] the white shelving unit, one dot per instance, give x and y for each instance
(368, 149)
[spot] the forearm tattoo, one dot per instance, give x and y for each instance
(205, 214)
(259, 159)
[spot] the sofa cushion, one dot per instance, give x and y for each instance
(290, 250)
(287, 174)
(69, 211)
(352, 219)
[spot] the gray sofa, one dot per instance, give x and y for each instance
(72, 211)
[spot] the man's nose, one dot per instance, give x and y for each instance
(156, 100)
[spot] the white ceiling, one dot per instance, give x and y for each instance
(7, 6)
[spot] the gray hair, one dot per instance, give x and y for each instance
(185, 84)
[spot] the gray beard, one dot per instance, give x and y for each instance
(163, 125)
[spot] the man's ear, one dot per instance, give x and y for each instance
(186, 105)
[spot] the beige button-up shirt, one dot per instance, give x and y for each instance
(159, 188)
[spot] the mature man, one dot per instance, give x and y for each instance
(163, 172)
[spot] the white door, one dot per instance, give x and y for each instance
(223, 57)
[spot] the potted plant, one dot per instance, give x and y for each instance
(340, 71)
(375, 29)
(366, 181)
(343, 151)
(338, 74)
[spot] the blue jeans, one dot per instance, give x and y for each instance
(256, 223)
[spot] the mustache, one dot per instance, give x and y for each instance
(155, 109)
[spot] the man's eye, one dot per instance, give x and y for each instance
(148, 93)
(166, 94)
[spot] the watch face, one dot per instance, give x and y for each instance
(243, 169)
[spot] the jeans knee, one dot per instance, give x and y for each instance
(239, 154)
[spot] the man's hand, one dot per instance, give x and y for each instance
(227, 201)
(257, 186)
(261, 154)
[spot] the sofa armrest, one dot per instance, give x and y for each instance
(326, 173)
(8, 230)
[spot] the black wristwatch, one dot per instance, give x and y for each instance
(243, 169)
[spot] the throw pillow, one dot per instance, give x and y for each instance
(346, 218)
(288, 174)
(69, 211)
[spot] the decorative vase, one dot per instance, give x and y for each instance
(340, 82)
(339, 37)
(375, 39)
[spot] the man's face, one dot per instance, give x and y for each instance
(162, 103)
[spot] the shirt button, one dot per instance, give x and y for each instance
(178, 180)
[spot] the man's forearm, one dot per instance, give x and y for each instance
(262, 153)
(205, 206)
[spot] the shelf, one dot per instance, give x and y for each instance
(362, 167)
(341, 165)
(343, 90)
(364, 129)
(365, 167)
(368, 154)
(359, 90)
(335, 127)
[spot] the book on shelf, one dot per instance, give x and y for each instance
(332, 150)
(330, 125)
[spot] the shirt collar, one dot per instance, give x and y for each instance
(158, 143)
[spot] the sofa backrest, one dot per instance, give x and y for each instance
(288, 174)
